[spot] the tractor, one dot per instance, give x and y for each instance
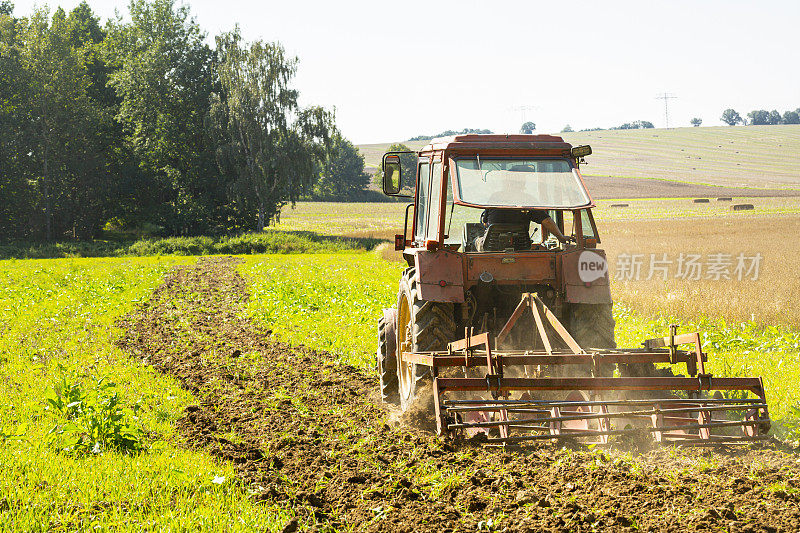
(504, 312)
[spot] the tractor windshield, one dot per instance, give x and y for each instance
(520, 183)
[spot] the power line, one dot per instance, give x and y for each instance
(666, 97)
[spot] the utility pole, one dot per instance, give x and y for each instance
(666, 97)
(523, 109)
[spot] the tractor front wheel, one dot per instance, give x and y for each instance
(386, 356)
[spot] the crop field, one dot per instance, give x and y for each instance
(752, 156)
(68, 462)
(238, 394)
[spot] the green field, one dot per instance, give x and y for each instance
(268, 241)
(751, 156)
(59, 326)
(58, 323)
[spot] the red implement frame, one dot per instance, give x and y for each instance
(596, 415)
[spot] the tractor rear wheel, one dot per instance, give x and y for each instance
(422, 326)
(386, 356)
(592, 326)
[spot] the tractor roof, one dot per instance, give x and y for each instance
(503, 142)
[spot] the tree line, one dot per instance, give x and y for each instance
(760, 117)
(450, 133)
(142, 124)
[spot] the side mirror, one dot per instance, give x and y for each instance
(581, 151)
(391, 174)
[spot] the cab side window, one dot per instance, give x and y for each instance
(436, 200)
(423, 189)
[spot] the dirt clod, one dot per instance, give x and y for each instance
(306, 432)
(290, 527)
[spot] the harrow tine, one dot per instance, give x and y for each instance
(604, 402)
(597, 416)
(696, 407)
(668, 420)
(587, 412)
(517, 439)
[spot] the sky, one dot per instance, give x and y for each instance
(397, 70)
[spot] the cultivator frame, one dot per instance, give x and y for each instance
(595, 409)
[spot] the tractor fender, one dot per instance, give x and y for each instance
(441, 276)
(585, 277)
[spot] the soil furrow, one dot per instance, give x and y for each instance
(307, 432)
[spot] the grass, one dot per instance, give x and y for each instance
(270, 241)
(327, 302)
(333, 303)
(57, 324)
(752, 156)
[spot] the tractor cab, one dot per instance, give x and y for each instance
(490, 193)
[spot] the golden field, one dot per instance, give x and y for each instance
(770, 299)
(645, 227)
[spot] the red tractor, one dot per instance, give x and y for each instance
(504, 270)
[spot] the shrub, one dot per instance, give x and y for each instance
(91, 421)
(270, 241)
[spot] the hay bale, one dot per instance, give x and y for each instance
(619, 205)
(701, 200)
(724, 199)
(742, 207)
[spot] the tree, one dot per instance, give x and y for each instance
(269, 147)
(758, 117)
(449, 133)
(6, 7)
(696, 122)
(15, 191)
(342, 175)
(635, 125)
(775, 117)
(162, 75)
(527, 128)
(791, 117)
(63, 158)
(567, 129)
(731, 117)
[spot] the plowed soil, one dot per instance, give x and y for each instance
(309, 434)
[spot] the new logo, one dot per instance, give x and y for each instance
(591, 266)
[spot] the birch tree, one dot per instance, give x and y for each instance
(268, 146)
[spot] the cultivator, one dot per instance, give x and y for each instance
(563, 391)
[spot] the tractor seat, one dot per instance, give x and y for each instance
(504, 237)
(472, 230)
